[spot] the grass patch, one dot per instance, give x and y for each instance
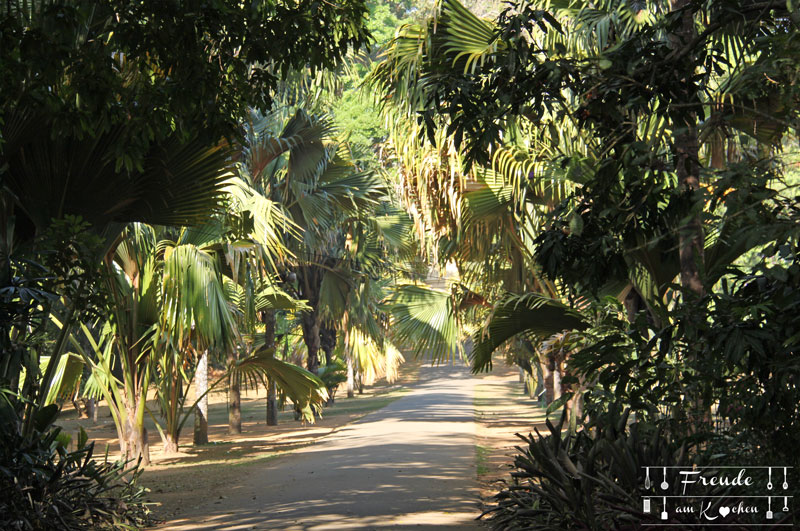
(481, 454)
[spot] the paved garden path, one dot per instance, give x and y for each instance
(410, 465)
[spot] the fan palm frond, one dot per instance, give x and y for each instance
(179, 183)
(424, 320)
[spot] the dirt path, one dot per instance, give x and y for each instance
(410, 465)
(502, 409)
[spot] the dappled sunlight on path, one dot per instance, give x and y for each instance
(409, 465)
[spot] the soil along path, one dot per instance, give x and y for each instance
(410, 465)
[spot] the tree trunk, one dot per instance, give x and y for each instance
(539, 381)
(351, 378)
(272, 403)
(310, 324)
(532, 386)
(547, 376)
(91, 406)
(134, 443)
(82, 409)
(310, 282)
(556, 382)
(328, 343)
(201, 410)
(687, 160)
(234, 397)
(360, 382)
(170, 444)
(269, 319)
(687, 169)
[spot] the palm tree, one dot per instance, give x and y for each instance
(367, 347)
(169, 306)
(134, 289)
(195, 317)
(46, 179)
(299, 165)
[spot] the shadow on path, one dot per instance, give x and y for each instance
(410, 465)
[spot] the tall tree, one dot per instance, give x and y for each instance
(306, 170)
(107, 85)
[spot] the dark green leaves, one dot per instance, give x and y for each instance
(534, 314)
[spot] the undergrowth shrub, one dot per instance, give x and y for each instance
(593, 479)
(46, 487)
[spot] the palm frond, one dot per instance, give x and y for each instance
(179, 183)
(194, 298)
(517, 314)
(424, 321)
(303, 388)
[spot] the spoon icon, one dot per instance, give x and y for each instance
(664, 484)
(786, 504)
(769, 484)
(647, 479)
(785, 484)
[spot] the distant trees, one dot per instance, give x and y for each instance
(591, 130)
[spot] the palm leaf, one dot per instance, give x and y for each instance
(423, 320)
(194, 298)
(517, 314)
(179, 183)
(66, 378)
(303, 388)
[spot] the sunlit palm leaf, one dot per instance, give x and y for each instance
(303, 388)
(194, 299)
(424, 321)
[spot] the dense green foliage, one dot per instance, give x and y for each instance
(194, 68)
(594, 170)
(47, 487)
(608, 180)
(119, 112)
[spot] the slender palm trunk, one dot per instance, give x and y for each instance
(201, 410)
(234, 397)
(269, 320)
(351, 378)
(533, 386)
(547, 376)
(687, 160)
(133, 439)
(328, 344)
(170, 444)
(310, 324)
(91, 410)
(691, 236)
(272, 403)
(556, 372)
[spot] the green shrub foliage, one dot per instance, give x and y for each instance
(44, 486)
